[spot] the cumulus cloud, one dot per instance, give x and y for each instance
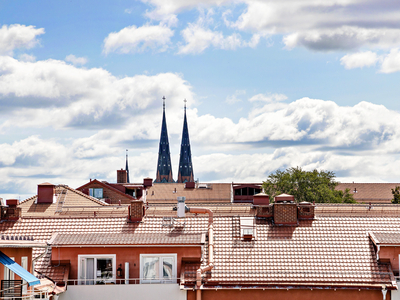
(53, 93)
(391, 62)
(199, 38)
(359, 60)
(76, 61)
(18, 36)
(232, 99)
(268, 98)
(134, 39)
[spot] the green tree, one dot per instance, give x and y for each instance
(396, 195)
(318, 186)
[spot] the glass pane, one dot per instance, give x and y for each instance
(151, 268)
(168, 263)
(90, 271)
(98, 193)
(104, 268)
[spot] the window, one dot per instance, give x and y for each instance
(158, 268)
(8, 274)
(96, 192)
(24, 264)
(96, 269)
(247, 229)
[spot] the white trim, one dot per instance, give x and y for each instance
(96, 256)
(161, 256)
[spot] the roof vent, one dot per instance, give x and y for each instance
(147, 182)
(190, 185)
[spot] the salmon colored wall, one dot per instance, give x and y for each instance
(294, 294)
(391, 253)
(17, 253)
(123, 254)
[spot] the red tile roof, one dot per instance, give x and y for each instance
(385, 238)
(370, 192)
(171, 238)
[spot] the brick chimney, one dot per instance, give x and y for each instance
(285, 210)
(147, 182)
(262, 206)
(11, 211)
(136, 211)
(45, 193)
(122, 176)
(306, 211)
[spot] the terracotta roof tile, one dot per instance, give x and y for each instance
(167, 192)
(171, 238)
(385, 238)
(370, 192)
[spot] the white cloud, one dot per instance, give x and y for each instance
(268, 98)
(128, 10)
(232, 99)
(53, 93)
(138, 39)
(27, 57)
(76, 61)
(359, 60)
(198, 39)
(18, 36)
(391, 62)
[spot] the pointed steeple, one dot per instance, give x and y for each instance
(185, 172)
(126, 167)
(164, 169)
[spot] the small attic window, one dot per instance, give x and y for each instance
(247, 228)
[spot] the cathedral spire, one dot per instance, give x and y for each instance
(164, 169)
(185, 172)
(126, 167)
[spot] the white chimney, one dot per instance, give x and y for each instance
(181, 207)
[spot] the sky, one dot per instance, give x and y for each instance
(269, 85)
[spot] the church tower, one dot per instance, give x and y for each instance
(164, 169)
(185, 173)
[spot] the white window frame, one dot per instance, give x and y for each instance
(24, 264)
(95, 257)
(160, 256)
(8, 272)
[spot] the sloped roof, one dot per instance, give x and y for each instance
(370, 192)
(323, 252)
(168, 192)
(385, 238)
(69, 202)
(171, 238)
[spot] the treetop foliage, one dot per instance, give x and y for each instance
(310, 186)
(396, 195)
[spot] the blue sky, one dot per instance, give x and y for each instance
(269, 84)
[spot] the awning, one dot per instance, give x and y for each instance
(17, 269)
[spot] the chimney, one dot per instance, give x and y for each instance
(306, 211)
(11, 211)
(261, 199)
(136, 211)
(190, 185)
(122, 176)
(147, 182)
(181, 207)
(285, 210)
(45, 193)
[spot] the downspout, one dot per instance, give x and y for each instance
(377, 252)
(200, 271)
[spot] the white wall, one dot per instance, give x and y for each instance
(122, 291)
